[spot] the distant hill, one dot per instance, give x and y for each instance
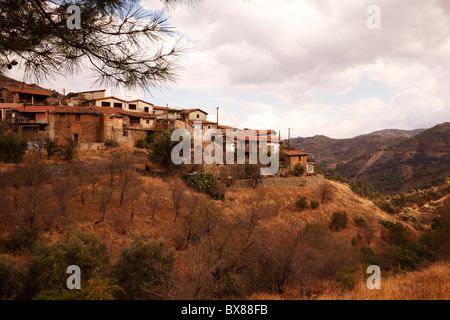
(396, 160)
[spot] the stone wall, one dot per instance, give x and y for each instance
(277, 182)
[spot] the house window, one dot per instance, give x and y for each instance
(209, 127)
(198, 116)
(75, 137)
(118, 105)
(125, 133)
(146, 109)
(132, 107)
(147, 121)
(135, 120)
(106, 104)
(77, 118)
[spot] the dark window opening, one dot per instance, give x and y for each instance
(132, 107)
(75, 137)
(117, 105)
(198, 116)
(77, 118)
(125, 133)
(135, 120)
(146, 109)
(106, 104)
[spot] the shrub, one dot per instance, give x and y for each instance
(314, 204)
(387, 206)
(11, 279)
(51, 147)
(12, 147)
(48, 265)
(206, 183)
(145, 270)
(346, 277)
(69, 149)
(111, 143)
(361, 222)
(301, 203)
(298, 169)
(339, 220)
(141, 144)
(161, 150)
(22, 238)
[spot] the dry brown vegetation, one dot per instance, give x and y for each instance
(432, 283)
(253, 244)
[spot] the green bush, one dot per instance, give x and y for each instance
(298, 170)
(301, 203)
(339, 220)
(206, 183)
(51, 147)
(111, 143)
(12, 147)
(141, 144)
(387, 206)
(346, 277)
(145, 270)
(48, 265)
(11, 279)
(22, 238)
(314, 204)
(361, 222)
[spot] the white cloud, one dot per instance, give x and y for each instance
(294, 49)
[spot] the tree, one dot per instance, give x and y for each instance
(178, 193)
(47, 270)
(145, 270)
(122, 43)
(325, 192)
(11, 279)
(154, 197)
(51, 146)
(339, 220)
(161, 150)
(298, 170)
(12, 147)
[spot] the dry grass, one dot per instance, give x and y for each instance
(432, 283)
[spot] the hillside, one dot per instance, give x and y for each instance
(396, 160)
(418, 162)
(329, 151)
(221, 249)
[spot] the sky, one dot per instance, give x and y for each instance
(310, 65)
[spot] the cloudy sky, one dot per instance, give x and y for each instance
(310, 65)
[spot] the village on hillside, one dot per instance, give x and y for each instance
(90, 118)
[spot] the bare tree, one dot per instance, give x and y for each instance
(154, 196)
(178, 195)
(126, 180)
(104, 196)
(325, 192)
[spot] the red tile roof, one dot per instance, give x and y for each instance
(14, 106)
(36, 109)
(28, 91)
(160, 108)
(295, 153)
(74, 109)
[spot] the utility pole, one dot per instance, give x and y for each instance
(289, 138)
(217, 115)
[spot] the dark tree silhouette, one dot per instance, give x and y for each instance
(125, 45)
